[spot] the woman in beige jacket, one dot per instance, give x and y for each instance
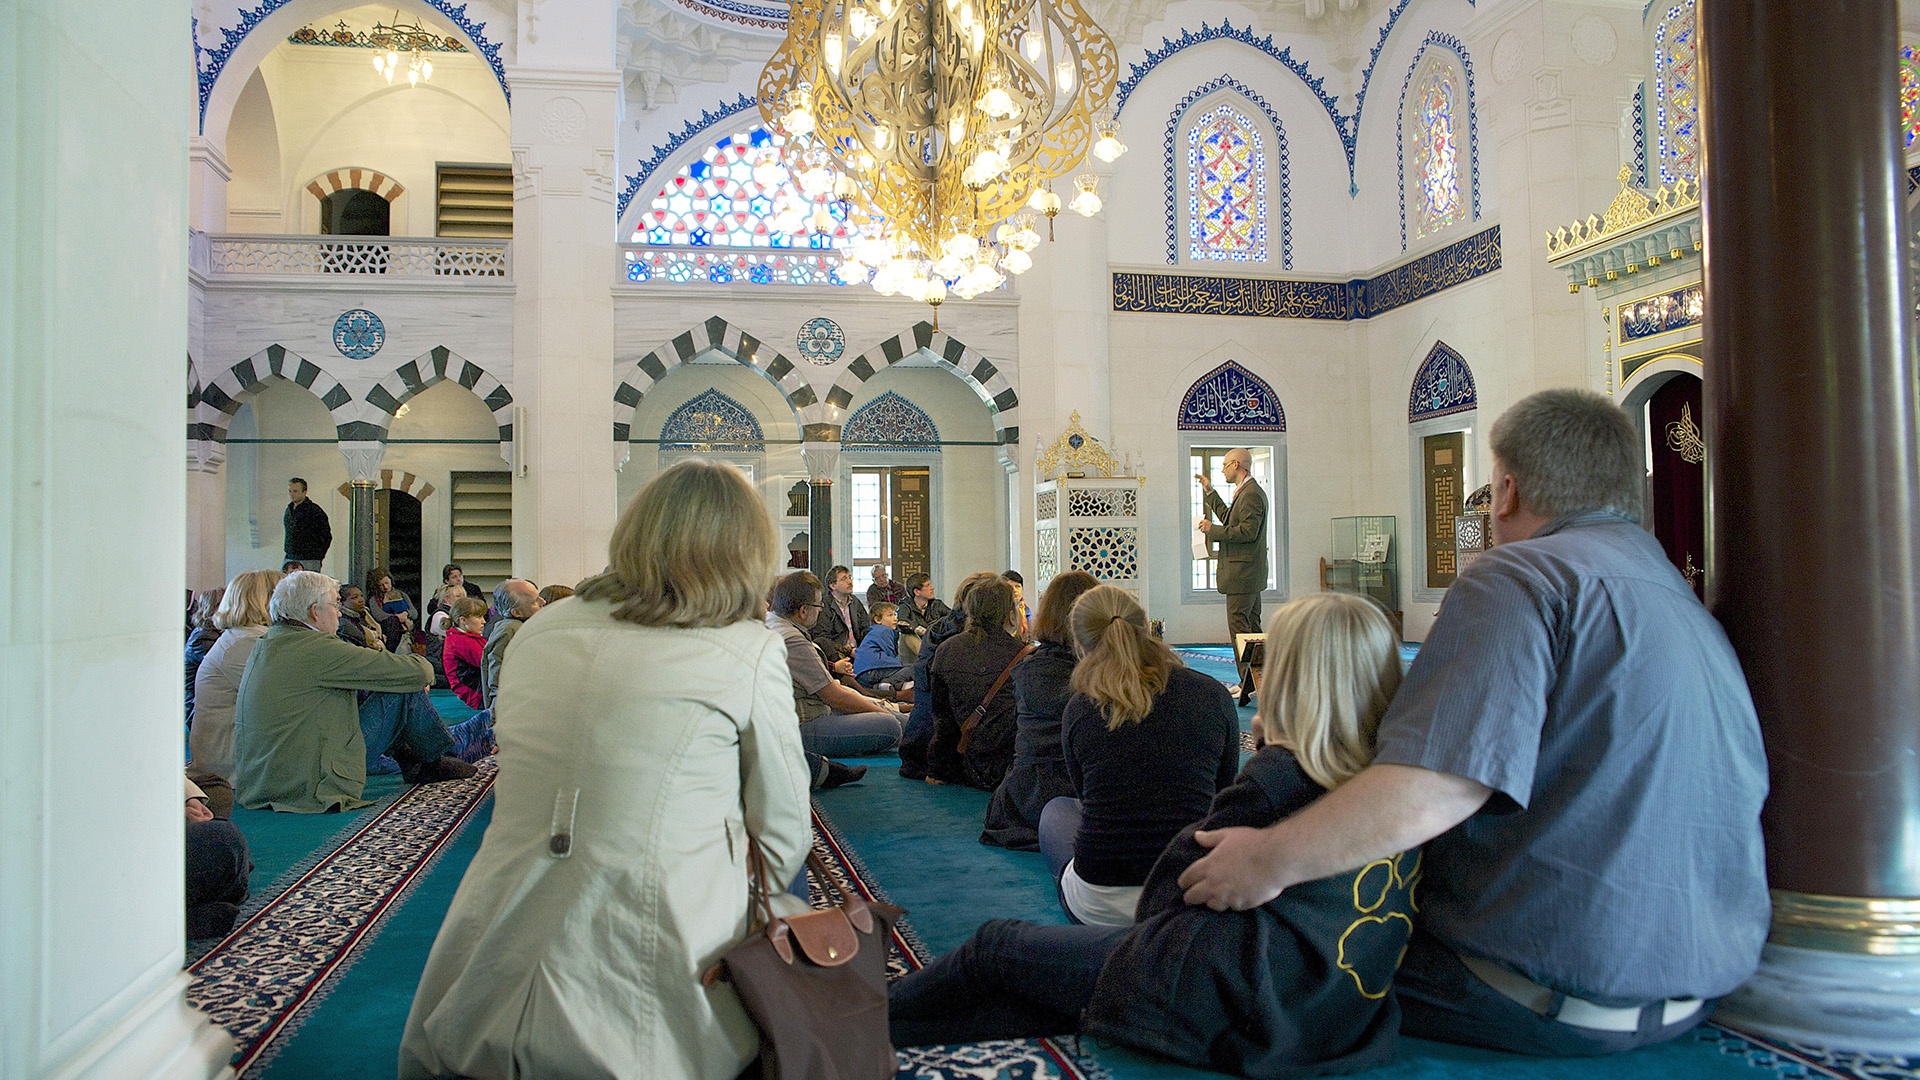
(243, 618)
(649, 730)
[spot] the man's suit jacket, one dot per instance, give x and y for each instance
(1242, 536)
(830, 631)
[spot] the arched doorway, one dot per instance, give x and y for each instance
(396, 540)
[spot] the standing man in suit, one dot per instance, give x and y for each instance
(1241, 533)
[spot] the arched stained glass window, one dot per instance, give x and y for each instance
(740, 194)
(1226, 188)
(1676, 93)
(1435, 158)
(1909, 94)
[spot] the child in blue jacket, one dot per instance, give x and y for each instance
(877, 660)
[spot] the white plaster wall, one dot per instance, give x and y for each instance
(257, 475)
(326, 108)
(474, 322)
(776, 468)
(969, 483)
(445, 410)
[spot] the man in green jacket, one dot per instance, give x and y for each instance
(1241, 534)
(301, 737)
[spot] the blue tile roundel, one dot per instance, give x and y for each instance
(821, 341)
(358, 334)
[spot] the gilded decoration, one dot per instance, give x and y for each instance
(1076, 453)
(1630, 209)
(1283, 298)
(1683, 437)
(1659, 314)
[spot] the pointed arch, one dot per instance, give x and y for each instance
(1441, 51)
(987, 382)
(712, 421)
(1231, 398)
(230, 389)
(1179, 181)
(718, 335)
(1442, 386)
(890, 422)
(434, 366)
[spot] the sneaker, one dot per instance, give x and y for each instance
(838, 775)
(433, 772)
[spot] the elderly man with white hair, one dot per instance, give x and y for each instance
(303, 740)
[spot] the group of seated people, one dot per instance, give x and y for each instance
(1543, 837)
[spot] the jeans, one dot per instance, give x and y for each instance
(1441, 999)
(876, 676)
(1059, 825)
(837, 735)
(1011, 980)
(405, 726)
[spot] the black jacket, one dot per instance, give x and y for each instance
(1295, 987)
(913, 620)
(962, 672)
(308, 533)
(830, 631)
(1041, 686)
(918, 737)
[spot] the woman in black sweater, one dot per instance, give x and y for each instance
(1042, 684)
(969, 671)
(917, 739)
(1147, 742)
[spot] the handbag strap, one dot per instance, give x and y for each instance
(980, 711)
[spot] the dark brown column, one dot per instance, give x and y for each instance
(820, 527)
(360, 495)
(1810, 400)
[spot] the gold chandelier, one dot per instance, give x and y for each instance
(931, 122)
(396, 37)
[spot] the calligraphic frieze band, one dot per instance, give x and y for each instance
(1283, 298)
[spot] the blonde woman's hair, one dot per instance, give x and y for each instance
(1332, 669)
(694, 548)
(247, 599)
(1122, 667)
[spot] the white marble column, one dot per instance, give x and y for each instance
(566, 103)
(93, 329)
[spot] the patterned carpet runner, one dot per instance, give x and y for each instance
(262, 980)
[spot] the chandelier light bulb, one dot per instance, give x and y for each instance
(934, 291)
(822, 220)
(886, 8)
(997, 103)
(882, 138)
(816, 181)
(833, 48)
(1017, 261)
(1087, 202)
(426, 69)
(380, 62)
(957, 129)
(1045, 201)
(862, 23)
(1063, 76)
(1033, 45)
(1108, 146)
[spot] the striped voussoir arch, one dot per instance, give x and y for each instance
(212, 409)
(988, 382)
(366, 179)
(396, 480)
(715, 333)
(436, 365)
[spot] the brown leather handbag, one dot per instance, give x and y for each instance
(815, 984)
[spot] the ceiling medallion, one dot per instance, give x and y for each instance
(941, 125)
(358, 334)
(821, 341)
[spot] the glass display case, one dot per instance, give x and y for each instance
(1365, 559)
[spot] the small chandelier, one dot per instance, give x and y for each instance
(941, 126)
(397, 37)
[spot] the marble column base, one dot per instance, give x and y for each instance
(1836, 1000)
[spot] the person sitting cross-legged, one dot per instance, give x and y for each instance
(1296, 986)
(313, 710)
(1042, 686)
(834, 720)
(877, 661)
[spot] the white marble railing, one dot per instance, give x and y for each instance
(387, 256)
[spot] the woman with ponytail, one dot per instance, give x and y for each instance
(1147, 744)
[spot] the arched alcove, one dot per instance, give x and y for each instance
(1442, 415)
(1225, 408)
(276, 430)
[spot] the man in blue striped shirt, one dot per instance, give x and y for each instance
(1577, 748)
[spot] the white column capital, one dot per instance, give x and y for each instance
(363, 460)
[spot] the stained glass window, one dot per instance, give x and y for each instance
(740, 194)
(1226, 188)
(1676, 93)
(1909, 94)
(1435, 158)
